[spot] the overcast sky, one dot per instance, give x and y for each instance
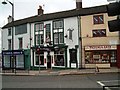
(27, 8)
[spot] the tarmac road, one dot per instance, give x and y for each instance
(67, 81)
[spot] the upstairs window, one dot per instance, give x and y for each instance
(58, 32)
(20, 43)
(9, 32)
(48, 33)
(39, 39)
(9, 44)
(21, 29)
(58, 24)
(99, 33)
(39, 27)
(98, 19)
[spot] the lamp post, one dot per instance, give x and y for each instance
(5, 2)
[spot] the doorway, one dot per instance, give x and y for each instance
(49, 62)
(13, 62)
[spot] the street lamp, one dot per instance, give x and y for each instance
(5, 2)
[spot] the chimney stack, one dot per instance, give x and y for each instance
(78, 4)
(9, 19)
(40, 10)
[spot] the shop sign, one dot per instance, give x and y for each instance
(14, 52)
(100, 47)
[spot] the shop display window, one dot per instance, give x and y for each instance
(100, 57)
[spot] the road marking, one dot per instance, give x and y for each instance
(99, 82)
(107, 88)
(111, 81)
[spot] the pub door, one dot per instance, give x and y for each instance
(49, 62)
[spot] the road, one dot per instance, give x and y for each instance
(67, 81)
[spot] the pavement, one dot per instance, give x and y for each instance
(62, 72)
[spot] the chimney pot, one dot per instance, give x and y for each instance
(40, 10)
(10, 19)
(78, 4)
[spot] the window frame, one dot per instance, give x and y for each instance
(58, 30)
(21, 29)
(9, 32)
(9, 44)
(98, 18)
(100, 31)
(39, 33)
(20, 43)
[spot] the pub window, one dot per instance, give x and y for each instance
(58, 32)
(59, 57)
(39, 39)
(56, 38)
(39, 27)
(48, 33)
(58, 24)
(98, 19)
(99, 33)
(39, 60)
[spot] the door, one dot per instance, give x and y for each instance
(48, 61)
(113, 59)
(13, 62)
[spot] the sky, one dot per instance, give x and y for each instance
(28, 8)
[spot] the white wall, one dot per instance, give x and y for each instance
(26, 39)
(5, 38)
(71, 23)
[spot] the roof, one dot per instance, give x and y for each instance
(58, 15)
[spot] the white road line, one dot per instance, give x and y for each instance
(111, 81)
(99, 82)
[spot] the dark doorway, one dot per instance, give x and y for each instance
(48, 61)
(13, 62)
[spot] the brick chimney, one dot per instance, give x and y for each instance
(78, 4)
(40, 10)
(9, 19)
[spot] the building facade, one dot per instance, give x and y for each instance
(77, 38)
(54, 42)
(99, 46)
(21, 50)
(51, 42)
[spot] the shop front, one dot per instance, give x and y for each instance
(102, 56)
(13, 59)
(49, 57)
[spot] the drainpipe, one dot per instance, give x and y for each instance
(79, 41)
(30, 46)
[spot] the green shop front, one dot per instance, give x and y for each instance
(49, 57)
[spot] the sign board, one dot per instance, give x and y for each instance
(12, 52)
(100, 47)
